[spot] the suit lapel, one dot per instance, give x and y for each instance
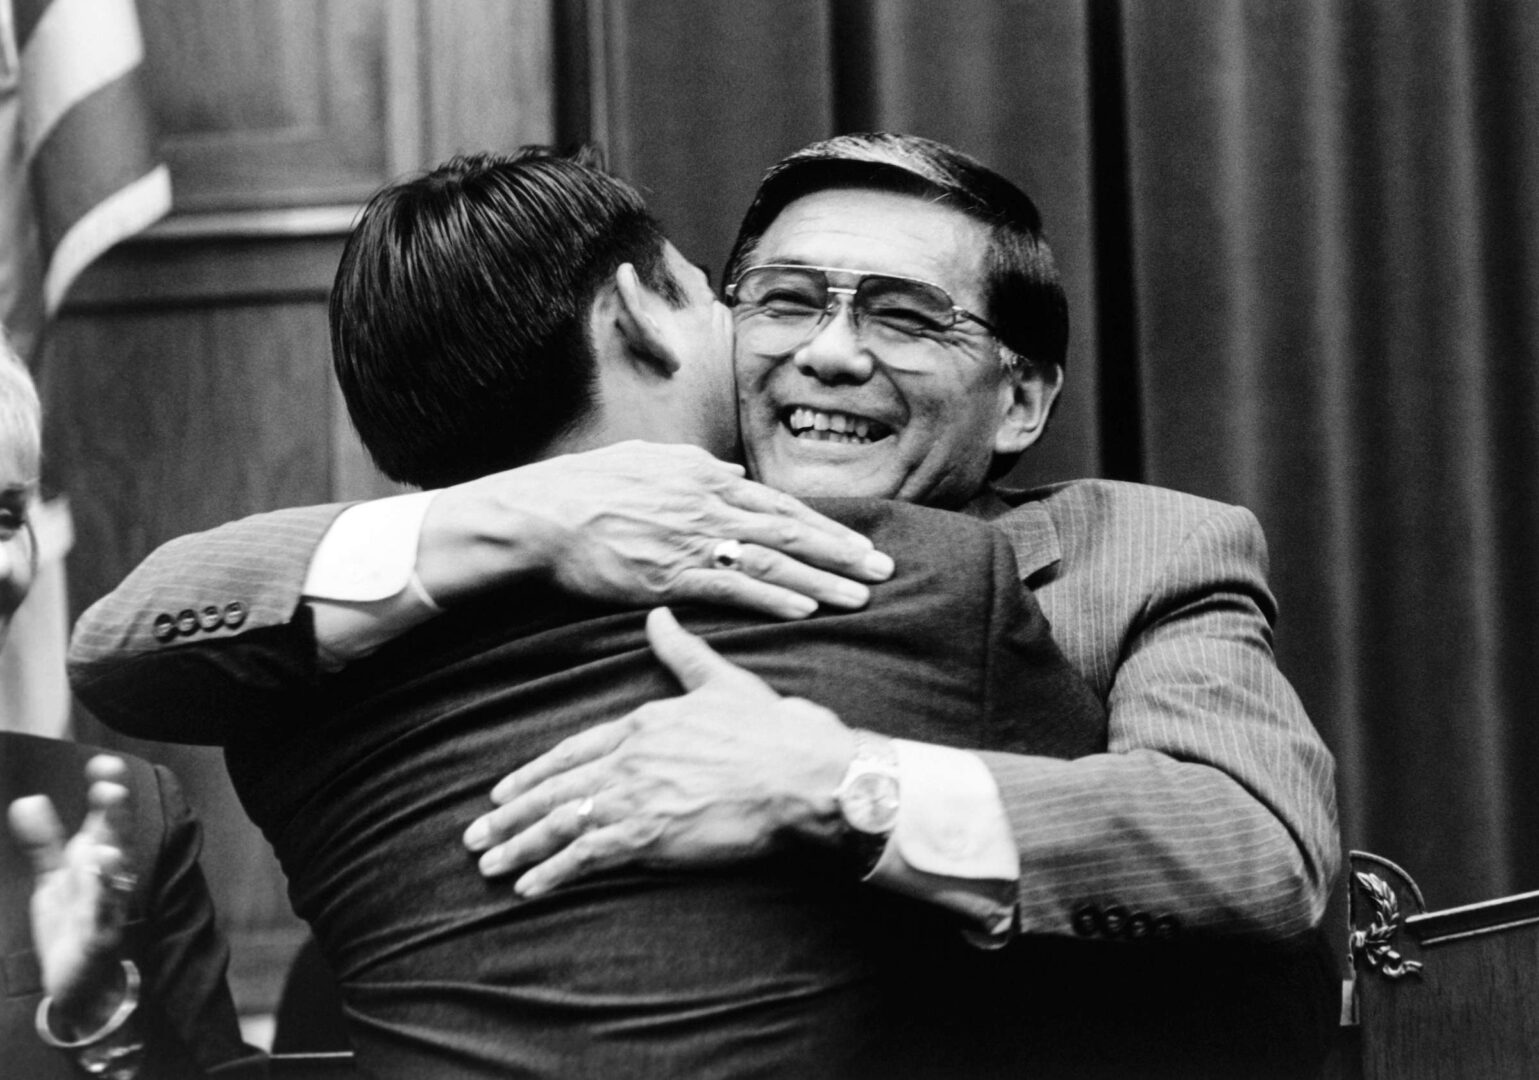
(1029, 527)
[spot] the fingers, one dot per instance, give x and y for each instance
(692, 661)
(107, 767)
(567, 843)
(753, 496)
(36, 826)
(789, 575)
(106, 822)
(565, 756)
(517, 835)
(739, 589)
(780, 522)
(588, 854)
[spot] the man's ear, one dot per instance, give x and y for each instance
(1026, 396)
(642, 333)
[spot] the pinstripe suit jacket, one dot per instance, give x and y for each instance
(1215, 803)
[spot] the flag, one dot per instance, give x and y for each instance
(78, 172)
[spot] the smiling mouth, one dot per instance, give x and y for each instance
(836, 427)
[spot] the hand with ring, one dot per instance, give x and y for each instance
(643, 524)
(723, 774)
(80, 898)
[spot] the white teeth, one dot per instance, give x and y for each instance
(804, 422)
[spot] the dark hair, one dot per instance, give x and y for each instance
(1021, 290)
(459, 316)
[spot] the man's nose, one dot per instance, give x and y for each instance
(835, 353)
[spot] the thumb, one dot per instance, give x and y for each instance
(37, 828)
(692, 661)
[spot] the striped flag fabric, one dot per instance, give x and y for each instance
(78, 173)
(79, 170)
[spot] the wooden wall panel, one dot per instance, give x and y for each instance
(277, 103)
(181, 418)
(488, 83)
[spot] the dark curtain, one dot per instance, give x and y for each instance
(1301, 240)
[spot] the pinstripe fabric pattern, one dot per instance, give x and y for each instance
(1216, 800)
(258, 563)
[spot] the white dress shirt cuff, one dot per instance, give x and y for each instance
(952, 844)
(360, 580)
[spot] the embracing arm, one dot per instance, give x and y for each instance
(207, 634)
(216, 631)
(1214, 810)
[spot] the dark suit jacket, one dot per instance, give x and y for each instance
(363, 783)
(186, 1014)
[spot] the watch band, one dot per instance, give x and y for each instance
(868, 800)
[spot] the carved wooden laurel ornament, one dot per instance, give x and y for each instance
(1373, 945)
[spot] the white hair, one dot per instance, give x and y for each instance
(21, 414)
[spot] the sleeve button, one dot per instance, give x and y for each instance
(1086, 920)
(210, 618)
(165, 628)
(234, 614)
(187, 622)
(1115, 921)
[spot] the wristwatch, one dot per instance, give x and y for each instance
(867, 798)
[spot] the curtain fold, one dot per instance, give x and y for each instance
(1334, 248)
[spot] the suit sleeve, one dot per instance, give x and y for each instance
(1214, 809)
(208, 635)
(190, 1021)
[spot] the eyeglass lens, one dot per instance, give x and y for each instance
(783, 306)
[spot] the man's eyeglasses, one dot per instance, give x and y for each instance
(782, 306)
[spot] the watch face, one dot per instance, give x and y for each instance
(870, 802)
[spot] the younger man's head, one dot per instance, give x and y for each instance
(502, 308)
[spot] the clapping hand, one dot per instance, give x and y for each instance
(80, 897)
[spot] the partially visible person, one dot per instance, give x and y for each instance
(795, 962)
(112, 962)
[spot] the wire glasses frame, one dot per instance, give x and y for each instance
(797, 300)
